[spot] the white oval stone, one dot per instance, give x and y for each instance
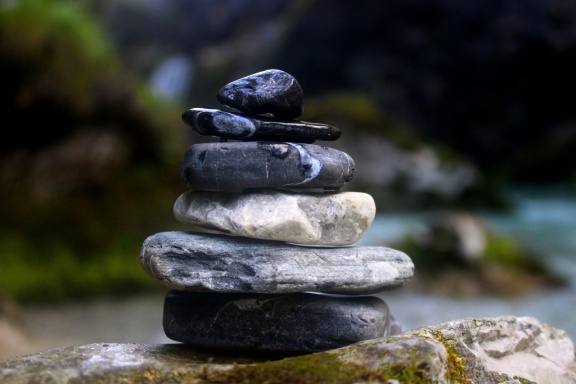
(319, 219)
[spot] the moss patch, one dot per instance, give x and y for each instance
(316, 368)
(148, 375)
(456, 369)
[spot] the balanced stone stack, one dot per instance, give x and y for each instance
(277, 274)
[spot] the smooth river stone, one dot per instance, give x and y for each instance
(236, 126)
(326, 219)
(201, 262)
(263, 164)
(289, 323)
(271, 91)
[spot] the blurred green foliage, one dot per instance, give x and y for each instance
(357, 111)
(61, 76)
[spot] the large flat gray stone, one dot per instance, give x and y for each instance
(327, 219)
(200, 262)
(288, 323)
(235, 166)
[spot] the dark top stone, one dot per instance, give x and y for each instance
(237, 126)
(262, 164)
(271, 91)
(289, 323)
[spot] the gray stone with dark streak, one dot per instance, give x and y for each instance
(235, 166)
(200, 262)
(238, 126)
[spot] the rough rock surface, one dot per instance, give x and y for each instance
(199, 262)
(236, 126)
(288, 323)
(271, 91)
(327, 219)
(492, 350)
(262, 164)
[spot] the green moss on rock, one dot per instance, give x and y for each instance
(456, 363)
(316, 368)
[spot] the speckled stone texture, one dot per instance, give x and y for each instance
(323, 219)
(237, 126)
(236, 166)
(290, 323)
(199, 262)
(271, 91)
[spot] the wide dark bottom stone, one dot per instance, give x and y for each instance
(290, 323)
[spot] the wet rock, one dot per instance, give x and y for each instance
(198, 262)
(490, 350)
(262, 164)
(236, 126)
(271, 91)
(327, 219)
(289, 323)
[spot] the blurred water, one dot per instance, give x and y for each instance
(543, 220)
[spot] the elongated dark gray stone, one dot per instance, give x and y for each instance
(263, 164)
(304, 218)
(237, 126)
(271, 91)
(290, 323)
(199, 262)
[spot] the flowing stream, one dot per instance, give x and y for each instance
(544, 221)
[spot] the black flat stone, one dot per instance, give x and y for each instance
(237, 126)
(271, 91)
(291, 323)
(236, 166)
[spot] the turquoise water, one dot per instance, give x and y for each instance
(543, 220)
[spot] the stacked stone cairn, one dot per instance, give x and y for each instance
(278, 275)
